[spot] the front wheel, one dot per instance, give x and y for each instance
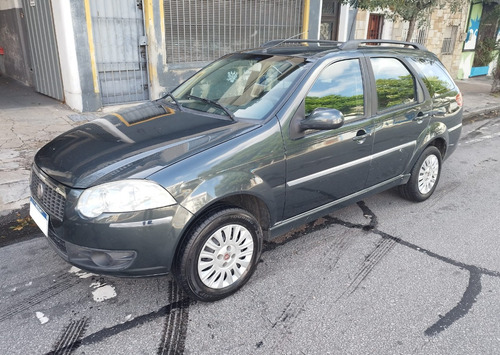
(219, 255)
(424, 176)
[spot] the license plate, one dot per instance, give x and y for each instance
(40, 217)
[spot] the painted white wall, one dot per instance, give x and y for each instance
(10, 4)
(343, 23)
(367, 21)
(315, 10)
(387, 29)
(63, 24)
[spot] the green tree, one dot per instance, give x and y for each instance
(348, 105)
(493, 16)
(392, 92)
(413, 11)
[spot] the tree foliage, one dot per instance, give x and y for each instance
(392, 92)
(348, 105)
(413, 11)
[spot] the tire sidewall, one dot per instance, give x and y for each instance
(199, 236)
(418, 196)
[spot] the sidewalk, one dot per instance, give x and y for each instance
(28, 120)
(477, 97)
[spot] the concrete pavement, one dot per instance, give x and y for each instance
(28, 120)
(477, 97)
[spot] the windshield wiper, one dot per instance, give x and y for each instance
(169, 94)
(213, 103)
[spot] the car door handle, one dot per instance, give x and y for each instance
(361, 136)
(421, 116)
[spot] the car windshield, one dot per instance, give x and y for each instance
(240, 85)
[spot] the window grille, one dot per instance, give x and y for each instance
(420, 35)
(204, 30)
(449, 40)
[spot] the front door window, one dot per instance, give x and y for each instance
(340, 86)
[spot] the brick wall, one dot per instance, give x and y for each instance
(441, 23)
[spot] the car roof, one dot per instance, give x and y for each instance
(315, 49)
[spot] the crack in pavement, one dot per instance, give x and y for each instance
(175, 325)
(472, 290)
(462, 308)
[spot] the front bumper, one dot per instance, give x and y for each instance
(141, 243)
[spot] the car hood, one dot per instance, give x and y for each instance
(132, 143)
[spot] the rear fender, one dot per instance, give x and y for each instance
(436, 130)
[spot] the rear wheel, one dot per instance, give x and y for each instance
(219, 255)
(424, 176)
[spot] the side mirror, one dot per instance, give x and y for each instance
(323, 119)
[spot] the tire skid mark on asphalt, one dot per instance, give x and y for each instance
(62, 283)
(296, 305)
(293, 308)
(178, 302)
(70, 338)
(339, 246)
(383, 247)
(471, 292)
(289, 314)
(286, 319)
(175, 326)
(106, 333)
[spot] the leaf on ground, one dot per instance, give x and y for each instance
(23, 223)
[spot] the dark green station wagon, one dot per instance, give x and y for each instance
(253, 145)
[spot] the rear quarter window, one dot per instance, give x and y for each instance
(435, 77)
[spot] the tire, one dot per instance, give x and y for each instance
(424, 176)
(219, 255)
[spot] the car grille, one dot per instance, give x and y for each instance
(47, 195)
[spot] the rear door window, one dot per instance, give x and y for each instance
(394, 83)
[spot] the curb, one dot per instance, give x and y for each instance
(468, 117)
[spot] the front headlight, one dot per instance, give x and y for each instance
(123, 196)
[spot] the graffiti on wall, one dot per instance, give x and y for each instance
(473, 28)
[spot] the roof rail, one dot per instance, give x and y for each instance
(318, 42)
(355, 44)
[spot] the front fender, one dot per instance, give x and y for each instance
(225, 185)
(252, 164)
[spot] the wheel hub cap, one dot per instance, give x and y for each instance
(428, 174)
(225, 256)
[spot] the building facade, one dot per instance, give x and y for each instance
(459, 38)
(93, 53)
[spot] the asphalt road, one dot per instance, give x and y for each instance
(384, 276)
